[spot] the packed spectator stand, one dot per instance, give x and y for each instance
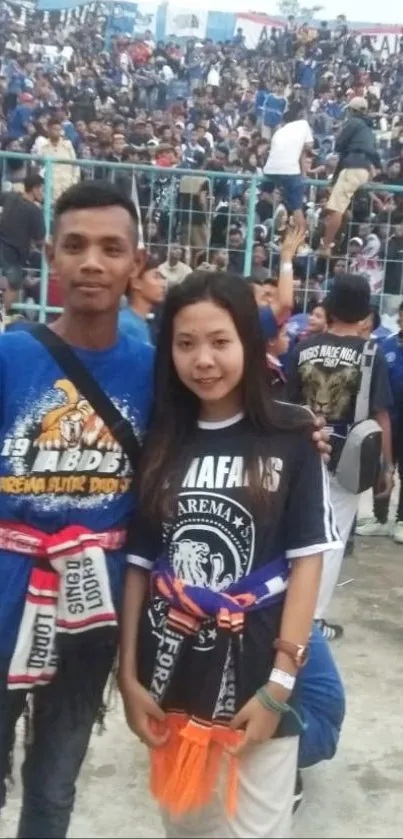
(185, 126)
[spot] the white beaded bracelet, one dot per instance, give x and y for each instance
(285, 267)
(280, 677)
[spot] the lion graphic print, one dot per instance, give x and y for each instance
(329, 392)
(324, 373)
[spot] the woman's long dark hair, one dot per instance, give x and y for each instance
(176, 408)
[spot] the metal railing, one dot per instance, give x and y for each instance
(219, 217)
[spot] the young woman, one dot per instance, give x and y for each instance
(224, 570)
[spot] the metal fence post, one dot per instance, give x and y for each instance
(47, 212)
(250, 227)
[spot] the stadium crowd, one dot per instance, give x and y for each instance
(321, 260)
(70, 89)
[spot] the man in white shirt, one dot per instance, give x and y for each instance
(213, 76)
(285, 164)
(58, 147)
(174, 271)
(13, 45)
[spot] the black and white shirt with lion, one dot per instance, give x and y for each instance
(324, 373)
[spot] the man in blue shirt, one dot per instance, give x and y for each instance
(393, 351)
(270, 105)
(19, 118)
(64, 478)
(378, 525)
(145, 293)
(322, 705)
(20, 74)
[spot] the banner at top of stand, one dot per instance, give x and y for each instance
(168, 20)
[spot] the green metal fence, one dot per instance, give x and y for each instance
(219, 216)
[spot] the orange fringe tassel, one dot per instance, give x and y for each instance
(185, 770)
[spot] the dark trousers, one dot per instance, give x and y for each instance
(63, 715)
(381, 505)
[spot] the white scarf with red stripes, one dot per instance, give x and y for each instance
(68, 595)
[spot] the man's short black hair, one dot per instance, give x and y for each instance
(54, 121)
(376, 318)
(349, 300)
(32, 181)
(93, 194)
(294, 112)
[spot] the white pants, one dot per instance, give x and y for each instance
(267, 775)
(345, 506)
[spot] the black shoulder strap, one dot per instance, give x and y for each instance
(78, 374)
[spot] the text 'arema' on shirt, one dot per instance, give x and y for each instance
(215, 538)
(59, 464)
(324, 373)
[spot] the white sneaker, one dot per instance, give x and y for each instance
(398, 532)
(373, 527)
(364, 520)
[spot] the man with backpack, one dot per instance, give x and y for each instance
(344, 378)
(378, 524)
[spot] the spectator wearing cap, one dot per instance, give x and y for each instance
(358, 160)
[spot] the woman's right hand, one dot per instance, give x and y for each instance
(141, 710)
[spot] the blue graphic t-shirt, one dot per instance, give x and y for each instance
(59, 464)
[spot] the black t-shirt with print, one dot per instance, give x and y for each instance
(215, 537)
(324, 373)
